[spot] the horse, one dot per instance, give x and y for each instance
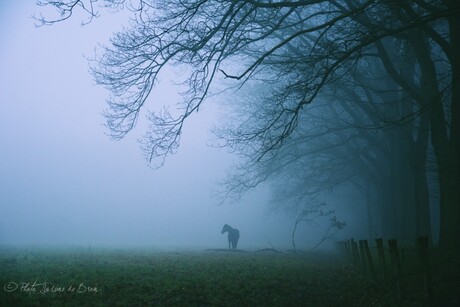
(233, 235)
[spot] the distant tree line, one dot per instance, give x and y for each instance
(347, 91)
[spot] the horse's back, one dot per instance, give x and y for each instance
(234, 233)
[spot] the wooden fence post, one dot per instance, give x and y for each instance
(354, 247)
(350, 248)
(369, 260)
(423, 251)
(396, 268)
(348, 252)
(381, 254)
(362, 255)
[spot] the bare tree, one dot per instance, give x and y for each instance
(297, 48)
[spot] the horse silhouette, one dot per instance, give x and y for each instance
(233, 235)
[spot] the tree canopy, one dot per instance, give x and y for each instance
(303, 52)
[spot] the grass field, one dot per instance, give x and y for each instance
(134, 277)
(116, 277)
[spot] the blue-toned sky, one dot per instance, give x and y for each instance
(63, 181)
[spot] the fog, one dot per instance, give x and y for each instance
(64, 181)
(229, 152)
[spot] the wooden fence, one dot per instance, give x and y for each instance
(393, 268)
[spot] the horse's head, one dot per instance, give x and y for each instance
(225, 228)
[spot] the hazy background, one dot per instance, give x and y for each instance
(63, 181)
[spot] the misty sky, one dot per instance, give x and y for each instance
(63, 181)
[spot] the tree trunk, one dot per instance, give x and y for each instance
(444, 131)
(421, 190)
(447, 149)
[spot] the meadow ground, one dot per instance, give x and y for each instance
(134, 277)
